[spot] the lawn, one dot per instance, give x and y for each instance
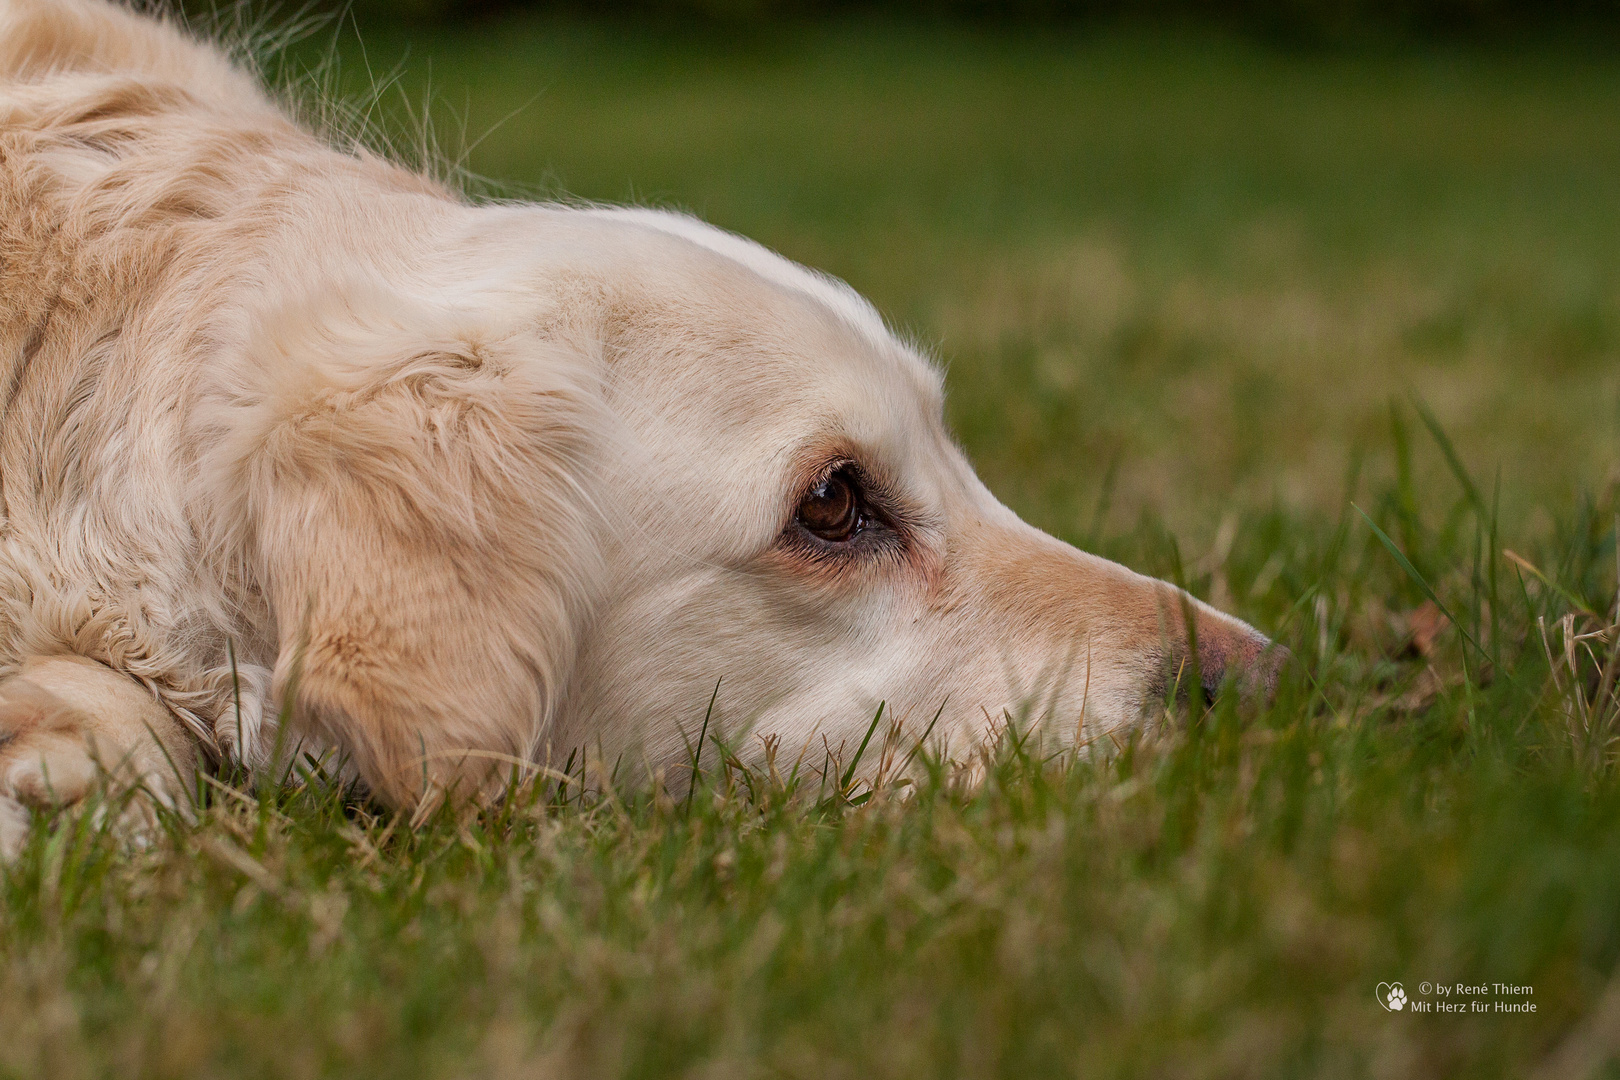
(1212, 310)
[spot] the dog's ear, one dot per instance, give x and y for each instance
(411, 488)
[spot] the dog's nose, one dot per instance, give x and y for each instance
(1230, 650)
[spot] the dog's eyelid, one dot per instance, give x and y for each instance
(835, 465)
(868, 480)
(871, 490)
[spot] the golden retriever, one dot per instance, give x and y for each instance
(289, 430)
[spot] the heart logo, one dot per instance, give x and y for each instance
(1392, 996)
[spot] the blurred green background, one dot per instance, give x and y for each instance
(1301, 20)
(1171, 270)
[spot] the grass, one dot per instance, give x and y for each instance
(1199, 303)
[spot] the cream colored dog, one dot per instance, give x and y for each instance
(286, 430)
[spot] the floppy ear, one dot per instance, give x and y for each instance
(410, 490)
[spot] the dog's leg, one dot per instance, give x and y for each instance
(67, 723)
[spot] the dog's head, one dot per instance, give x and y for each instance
(795, 523)
(625, 457)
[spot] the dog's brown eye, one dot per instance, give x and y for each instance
(832, 510)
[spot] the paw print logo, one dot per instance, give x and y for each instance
(1392, 996)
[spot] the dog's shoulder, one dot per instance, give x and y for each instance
(40, 39)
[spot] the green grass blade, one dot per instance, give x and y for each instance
(697, 758)
(1452, 460)
(1417, 578)
(849, 773)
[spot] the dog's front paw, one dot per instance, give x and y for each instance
(67, 725)
(13, 828)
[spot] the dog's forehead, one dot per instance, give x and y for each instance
(837, 297)
(852, 311)
(765, 347)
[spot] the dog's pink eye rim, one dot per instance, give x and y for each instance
(831, 511)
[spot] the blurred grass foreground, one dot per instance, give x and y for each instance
(1198, 300)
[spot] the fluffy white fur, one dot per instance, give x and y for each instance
(283, 426)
